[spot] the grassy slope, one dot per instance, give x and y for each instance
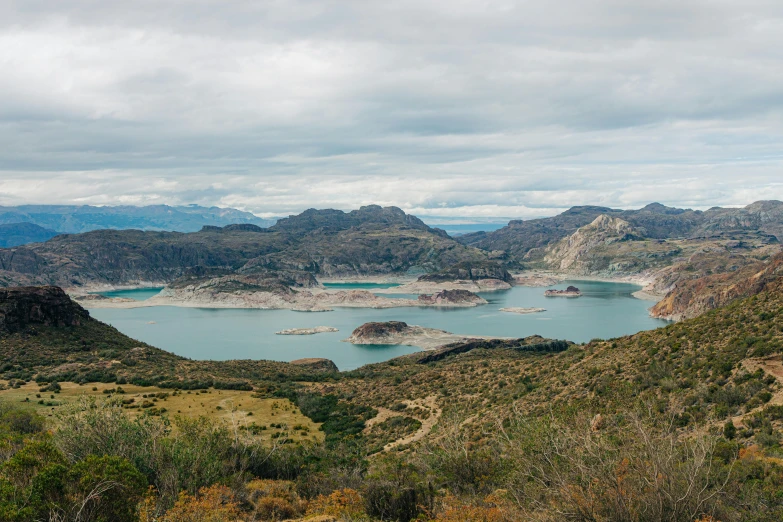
(701, 369)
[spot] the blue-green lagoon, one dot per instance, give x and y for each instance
(137, 294)
(605, 310)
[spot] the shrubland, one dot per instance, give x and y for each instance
(682, 423)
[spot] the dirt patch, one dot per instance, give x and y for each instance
(771, 366)
(428, 404)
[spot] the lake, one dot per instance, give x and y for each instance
(605, 310)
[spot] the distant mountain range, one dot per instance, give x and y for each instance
(72, 219)
(16, 234)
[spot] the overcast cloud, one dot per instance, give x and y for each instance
(449, 108)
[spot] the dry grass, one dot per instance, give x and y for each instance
(231, 406)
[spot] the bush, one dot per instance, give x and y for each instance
(212, 504)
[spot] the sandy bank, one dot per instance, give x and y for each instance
(307, 331)
(429, 287)
(514, 310)
(311, 300)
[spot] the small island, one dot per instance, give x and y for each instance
(571, 291)
(307, 331)
(398, 332)
(523, 310)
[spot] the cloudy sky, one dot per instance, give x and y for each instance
(455, 108)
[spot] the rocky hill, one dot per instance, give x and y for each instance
(693, 297)
(372, 240)
(576, 253)
(523, 241)
(24, 307)
(614, 248)
(16, 234)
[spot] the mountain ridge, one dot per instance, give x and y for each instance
(73, 219)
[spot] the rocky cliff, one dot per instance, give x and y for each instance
(691, 298)
(21, 307)
(577, 253)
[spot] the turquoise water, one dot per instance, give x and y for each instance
(360, 286)
(138, 294)
(605, 310)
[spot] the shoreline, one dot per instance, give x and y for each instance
(319, 301)
(322, 301)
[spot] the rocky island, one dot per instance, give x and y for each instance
(571, 291)
(398, 332)
(307, 331)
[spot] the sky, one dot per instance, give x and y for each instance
(463, 110)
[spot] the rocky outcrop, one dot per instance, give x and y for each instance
(571, 291)
(370, 333)
(282, 282)
(316, 364)
(470, 271)
(398, 332)
(693, 297)
(574, 254)
(452, 297)
(22, 307)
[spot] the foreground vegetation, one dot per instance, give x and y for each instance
(680, 424)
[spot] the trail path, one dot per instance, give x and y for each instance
(428, 404)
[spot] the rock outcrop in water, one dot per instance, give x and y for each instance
(571, 291)
(21, 307)
(398, 332)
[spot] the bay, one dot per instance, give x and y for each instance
(605, 310)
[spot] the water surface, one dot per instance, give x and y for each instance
(360, 286)
(137, 294)
(605, 310)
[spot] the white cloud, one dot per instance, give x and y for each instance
(459, 108)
